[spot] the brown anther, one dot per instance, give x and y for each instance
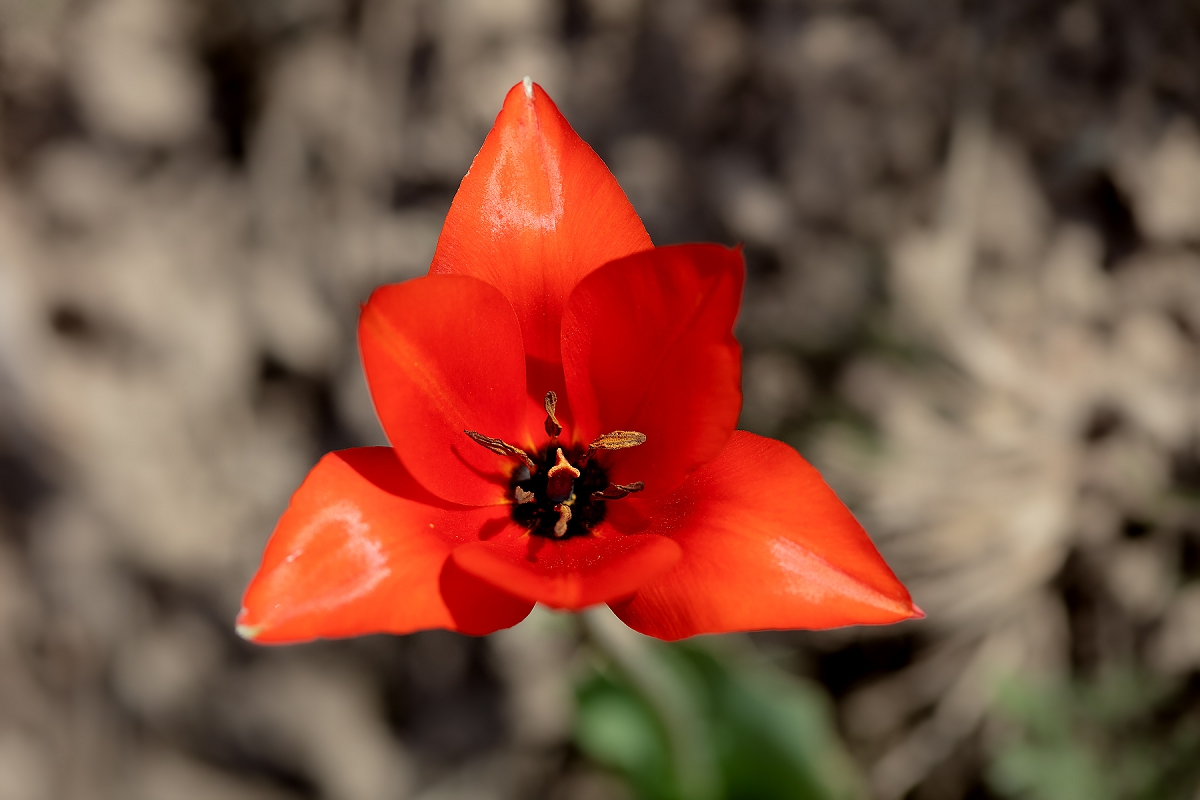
(615, 491)
(523, 496)
(553, 428)
(617, 440)
(564, 517)
(501, 448)
(560, 477)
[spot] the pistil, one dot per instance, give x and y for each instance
(561, 490)
(560, 478)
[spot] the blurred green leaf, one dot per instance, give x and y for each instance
(615, 728)
(1109, 738)
(771, 734)
(1058, 771)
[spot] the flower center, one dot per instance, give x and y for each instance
(556, 501)
(561, 491)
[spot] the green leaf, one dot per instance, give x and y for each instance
(1113, 737)
(615, 728)
(770, 734)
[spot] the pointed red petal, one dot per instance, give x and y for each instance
(570, 574)
(443, 355)
(648, 346)
(766, 544)
(536, 213)
(362, 548)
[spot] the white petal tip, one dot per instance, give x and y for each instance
(528, 83)
(248, 632)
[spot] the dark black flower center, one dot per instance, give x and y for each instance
(542, 512)
(561, 490)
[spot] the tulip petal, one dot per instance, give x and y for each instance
(766, 544)
(362, 548)
(569, 574)
(443, 355)
(648, 346)
(536, 213)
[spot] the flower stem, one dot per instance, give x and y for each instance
(692, 756)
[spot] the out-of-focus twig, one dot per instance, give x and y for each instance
(959, 712)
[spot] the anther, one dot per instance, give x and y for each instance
(564, 518)
(501, 448)
(615, 491)
(553, 428)
(523, 496)
(617, 440)
(560, 477)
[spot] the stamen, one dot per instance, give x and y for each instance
(617, 440)
(562, 498)
(560, 477)
(615, 491)
(564, 517)
(553, 428)
(501, 448)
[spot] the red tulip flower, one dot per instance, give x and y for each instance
(560, 397)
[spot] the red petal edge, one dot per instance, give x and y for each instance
(648, 346)
(571, 574)
(362, 548)
(443, 354)
(766, 545)
(537, 211)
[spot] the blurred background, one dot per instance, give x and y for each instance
(973, 237)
